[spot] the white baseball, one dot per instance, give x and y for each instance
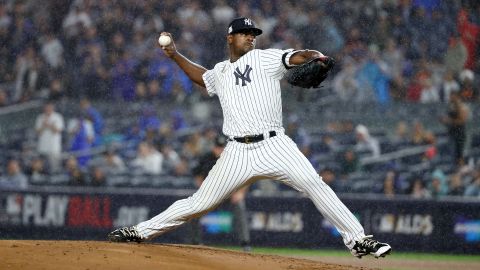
(164, 40)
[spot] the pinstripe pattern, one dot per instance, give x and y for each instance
(232, 165)
(254, 108)
(281, 158)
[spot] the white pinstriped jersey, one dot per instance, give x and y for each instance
(249, 91)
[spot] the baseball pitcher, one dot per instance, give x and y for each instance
(248, 87)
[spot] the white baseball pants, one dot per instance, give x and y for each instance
(241, 164)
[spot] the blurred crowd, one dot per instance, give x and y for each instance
(151, 150)
(421, 51)
(414, 50)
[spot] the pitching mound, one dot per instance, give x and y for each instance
(65, 255)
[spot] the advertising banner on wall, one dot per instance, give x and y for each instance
(410, 225)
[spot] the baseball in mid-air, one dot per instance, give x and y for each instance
(164, 40)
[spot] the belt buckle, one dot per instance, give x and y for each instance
(248, 139)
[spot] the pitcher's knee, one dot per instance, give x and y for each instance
(310, 182)
(197, 205)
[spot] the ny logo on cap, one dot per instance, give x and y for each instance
(248, 21)
(245, 76)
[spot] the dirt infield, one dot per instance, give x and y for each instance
(67, 255)
(393, 262)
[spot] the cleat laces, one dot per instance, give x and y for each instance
(368, 242)
(130, 232)
(126, 234)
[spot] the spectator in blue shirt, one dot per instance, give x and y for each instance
(373, 75)
(149, 120)
(94, 115)
(82, 137)
(123, 79)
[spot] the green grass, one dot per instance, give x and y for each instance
(345, 253)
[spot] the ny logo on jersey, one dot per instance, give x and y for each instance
(245, 76)
(248, 21)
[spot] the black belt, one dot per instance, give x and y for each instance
(254, 138)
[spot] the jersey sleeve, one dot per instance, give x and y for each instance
(209, 80)
(275, 62)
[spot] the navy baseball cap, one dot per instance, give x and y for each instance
(239, 25)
